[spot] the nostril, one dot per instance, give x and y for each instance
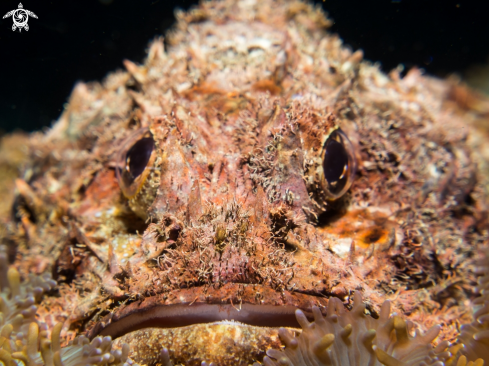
(174, 232)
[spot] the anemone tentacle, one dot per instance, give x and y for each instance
(475, 336)
(23, 339)
(354, 338)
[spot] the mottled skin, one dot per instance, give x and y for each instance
(232, 208)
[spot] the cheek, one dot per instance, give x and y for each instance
(289, 176)
(369, 233)
(101, 195)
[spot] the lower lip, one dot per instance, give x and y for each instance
(172, 316)
(224, 343)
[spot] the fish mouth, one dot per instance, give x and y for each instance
(181, 315)
(274, 309)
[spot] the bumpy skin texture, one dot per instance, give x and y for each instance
(231, 218)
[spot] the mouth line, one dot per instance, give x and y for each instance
(181, 315)
(275, 309)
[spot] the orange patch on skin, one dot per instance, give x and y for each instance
(202, 89)
(103, 190)
(215, 98)
(103, 187)
(364, 227)
(229, 103)
(267, 86)
(373, 235)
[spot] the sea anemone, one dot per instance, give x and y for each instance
(475, 336)
(341, 338)
(354, 338)
(18, 299)
(24, 339)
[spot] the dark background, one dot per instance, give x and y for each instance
(85, 39)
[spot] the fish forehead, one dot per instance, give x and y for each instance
(239, 107)
(225, 162)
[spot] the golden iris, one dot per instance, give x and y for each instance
(135, 162)
(338, 164)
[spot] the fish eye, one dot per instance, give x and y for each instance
(135, 161)
(138, 156)
(338, 164)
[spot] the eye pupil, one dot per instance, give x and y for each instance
(138, 156)
(336, 163)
